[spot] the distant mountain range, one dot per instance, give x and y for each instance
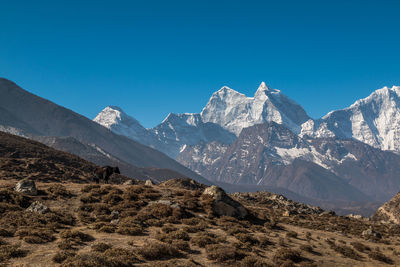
(269, 140)
(347, 160)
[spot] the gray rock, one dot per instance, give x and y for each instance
(129, 182)
(114, 214)
(225, 205)
(38, 207)
(27, 187)
(369, 233)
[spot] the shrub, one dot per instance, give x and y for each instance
(158, 251)
(76, 237)
(254, 261)
(202, 239)
(360, 246)
(101, 247)
(291, 234)
(57, 190)
(346, 251)
(11, 251)
(35, 236)
(223, 253)
(379, 256)
(246, 238)
(284, 254)
(6, 232)
(61, 256)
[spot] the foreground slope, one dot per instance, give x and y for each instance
(48, 119)
(175, 223)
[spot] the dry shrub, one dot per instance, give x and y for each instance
(90, 187)
(254, 261)
(57, 190)
(72, 238)
(246, 238)
(236, 229)
(285, 254)
(9, 196)
(35, 236)
(223, 253)
(129, 226)
(360, 246)
(204, 238)
(307, 248)
(291, 234)
(61, 256)
(107, 228)
(110, 258)
(158, 251)
(264, 241)
(100, 247)
(11, 251)
(6, 232)
(346, 251)
(379, 256)
(181, 245)
(168, 228)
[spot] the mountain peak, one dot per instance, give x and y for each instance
(263, 87)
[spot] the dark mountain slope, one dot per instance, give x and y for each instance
(50, 119)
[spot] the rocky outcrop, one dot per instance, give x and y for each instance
(38, 207)
(278, 202)
(27, 187)
(223, 204)
(389, 212)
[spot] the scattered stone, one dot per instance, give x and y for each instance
(38, 207)
(225, 205)
(371, 234)
(26, 186)
(114, 222)
(114, 214)
(129, 182)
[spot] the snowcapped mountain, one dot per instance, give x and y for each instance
(179, 130)
(115, 119)
(270, 154)
(170, 136)
(374, 120)
(221, 120)
(235, 111)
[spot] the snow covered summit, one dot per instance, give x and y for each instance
(374, 120)
(235, 111)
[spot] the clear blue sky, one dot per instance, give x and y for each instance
(156, 57)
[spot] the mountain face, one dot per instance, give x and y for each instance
(38, 116)
(235, 111)
(270, 154)
(222, 119)
(170, 136)
(389, 212)
(374, 120)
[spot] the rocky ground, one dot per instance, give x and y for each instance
(51, 214)
(181, 223)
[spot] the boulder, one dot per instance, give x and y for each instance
(371, 234)
(148, 182)
(224, 205)
(129, 182)
(27, 187)
(38, 207)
